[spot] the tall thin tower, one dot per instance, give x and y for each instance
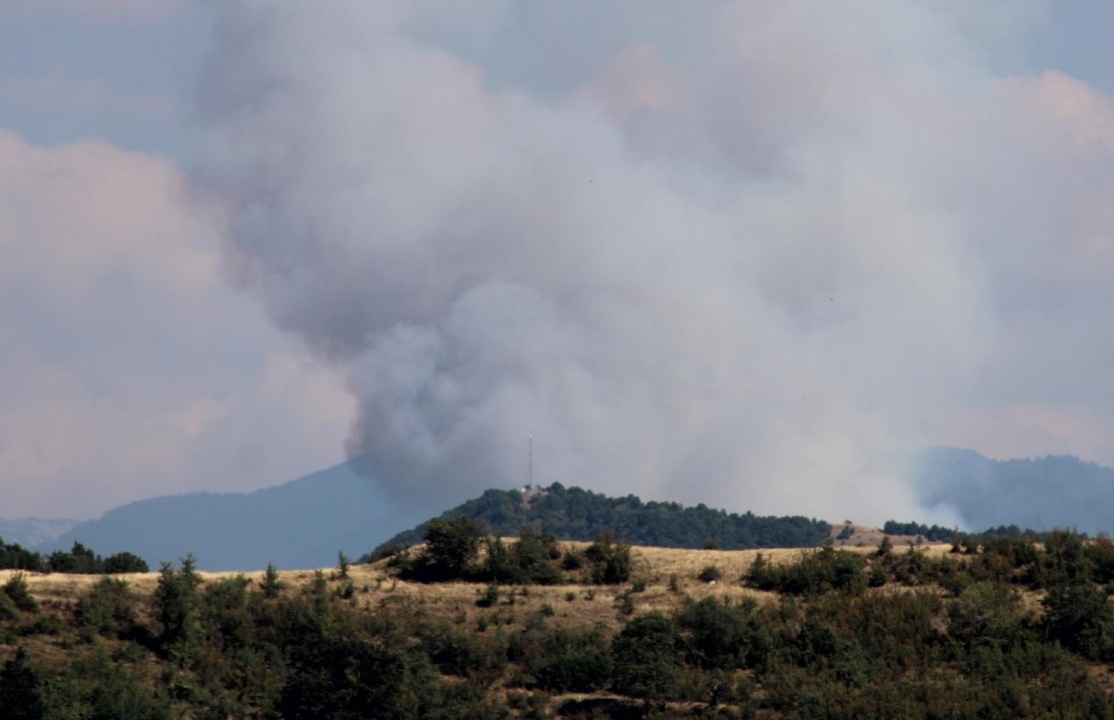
(530, 472)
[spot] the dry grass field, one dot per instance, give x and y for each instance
(662, 579)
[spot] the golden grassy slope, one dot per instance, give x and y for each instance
(669, 577)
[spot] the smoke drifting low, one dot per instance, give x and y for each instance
(729, 252)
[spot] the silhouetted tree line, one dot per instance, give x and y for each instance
(939, 534)
(79, 559)
(577, 514)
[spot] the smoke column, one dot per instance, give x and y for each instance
(727, 252)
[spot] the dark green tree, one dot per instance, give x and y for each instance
(610, 559)
(107, 609)
(271, 585)
(452, 545)
(715, 636)
(1079, 616)
(125, 562)
(646, 659)
(343, 678)
(176, 606)
(79, 560)
(20, 697)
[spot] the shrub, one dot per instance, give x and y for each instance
(8, 610)
(1079, 616)
(453, 652)
(20, 696)
(107, 609)
(571, 660)
(452, 545)
(814, 572)
(646, 658)
(710, 573)
(572, 560)
(125, 562)
(714, 634)
(20, 594)
(534, 556)
(490, 596)
(611, 560)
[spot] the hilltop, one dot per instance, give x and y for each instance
(577, 514)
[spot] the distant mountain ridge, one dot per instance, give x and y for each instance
(1042, 493)
(30, 532)
(577, 514)
(303, 523)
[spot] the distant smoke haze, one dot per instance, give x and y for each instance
(730, 252)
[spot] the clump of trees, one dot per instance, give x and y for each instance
(79, 559)
(460, 549)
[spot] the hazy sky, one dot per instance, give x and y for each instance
(738, 252)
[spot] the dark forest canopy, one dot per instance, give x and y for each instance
(577, 514)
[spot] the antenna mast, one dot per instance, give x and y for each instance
(530, 482)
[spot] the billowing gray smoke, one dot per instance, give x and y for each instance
(730, 252)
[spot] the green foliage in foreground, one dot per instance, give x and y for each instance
(577, 514)
(895, 634)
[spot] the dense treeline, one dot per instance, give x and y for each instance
(577, 514)
(940, 534)
(932, 533)
(1002, 629)
(79, 559)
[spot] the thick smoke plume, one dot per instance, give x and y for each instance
(730, 252)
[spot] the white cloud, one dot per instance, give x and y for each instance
(127, 366)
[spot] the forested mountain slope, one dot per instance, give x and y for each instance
(1041, 493)
(577, 514)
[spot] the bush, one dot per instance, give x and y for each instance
(646, 658)
(20, 594)
(1079, 616)
(490, 596)
(985, 613)
(572, 560)
(452, 545)
(710, 573)
(715, 636)
(815, 572)
(20, 697)
(611, 560)
(454, 653)
(572, 660)
(8, 610)
(344, 678)
(107, 609)
(125, 562)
